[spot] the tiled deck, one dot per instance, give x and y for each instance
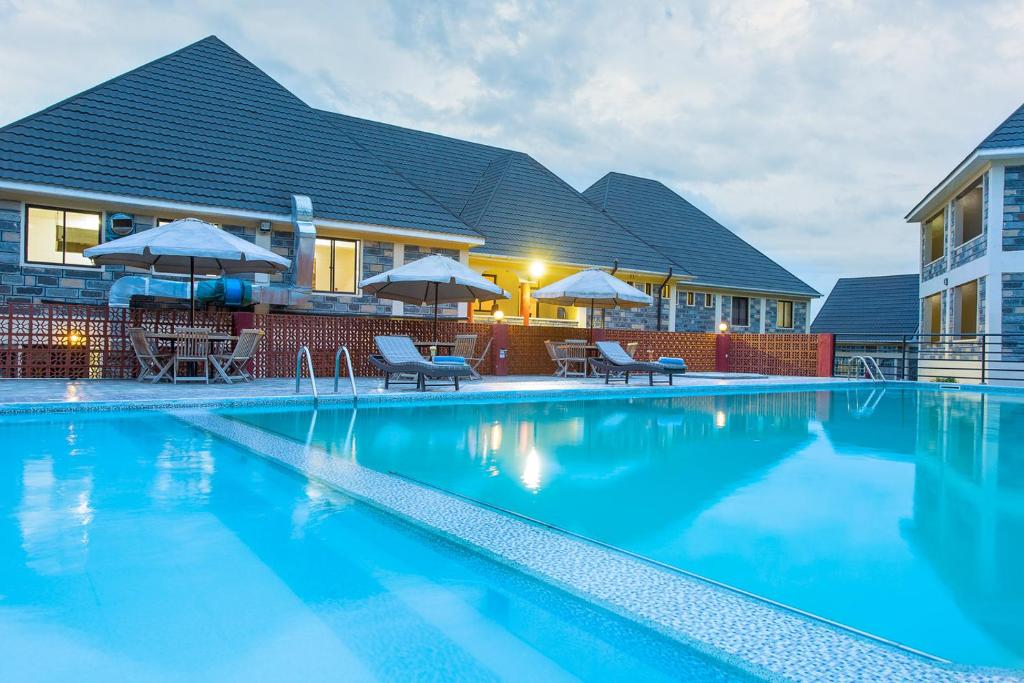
(46, 394)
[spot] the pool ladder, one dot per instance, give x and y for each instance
(303, 352)
(871, 367)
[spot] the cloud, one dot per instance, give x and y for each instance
(810, 128)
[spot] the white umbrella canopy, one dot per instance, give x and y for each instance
(435, 280)
(188, 246)
(593, 288)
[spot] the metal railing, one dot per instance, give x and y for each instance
(337, 370)
(933, 357)
(304, 351)
(871, 367)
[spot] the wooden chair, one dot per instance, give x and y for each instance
(154, 365)
(574, 355)
(465, 345)
(476, 360)
(230, 367)
(192, 346)
(556, 357)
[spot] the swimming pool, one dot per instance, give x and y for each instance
(899, 512)
(135, 547)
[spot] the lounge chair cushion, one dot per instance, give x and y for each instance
(450, 360)
(665, 360)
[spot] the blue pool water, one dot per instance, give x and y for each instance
(898, 513)
(136, 548)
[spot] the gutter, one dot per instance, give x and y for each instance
(969, 166)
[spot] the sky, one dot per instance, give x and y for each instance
(808, 128)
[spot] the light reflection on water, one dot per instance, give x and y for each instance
(890, 511)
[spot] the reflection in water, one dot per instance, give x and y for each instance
(911, 501)
(54, 517)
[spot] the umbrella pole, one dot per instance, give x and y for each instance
(192, 291)
(435, 311)
(590, 331)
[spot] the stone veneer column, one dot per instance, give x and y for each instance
(397, 307)
(764, 314)
(994, 250)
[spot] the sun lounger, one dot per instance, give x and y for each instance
(616, 363)
(399, 356)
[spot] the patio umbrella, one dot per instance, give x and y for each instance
(434, 279)
(593, 288)
(188, 246)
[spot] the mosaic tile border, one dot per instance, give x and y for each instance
(751, 634)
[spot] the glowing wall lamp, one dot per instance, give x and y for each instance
(536, 269)
(723, 327)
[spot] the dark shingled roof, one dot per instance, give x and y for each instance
(887, 305)
(689, 237)
(204, 125)
(1010, 133)
(518, 205)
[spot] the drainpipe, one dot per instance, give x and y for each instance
(604, 311)
(660, 290)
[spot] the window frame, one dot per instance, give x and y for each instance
(732, 312)
(778, 314)
(958, 221)
(958, 317)
(357, 266)
(709, 300)
(928, 257)
(49, 264)
(691, 298)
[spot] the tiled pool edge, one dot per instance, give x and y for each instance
(765, 640)
(590, 392)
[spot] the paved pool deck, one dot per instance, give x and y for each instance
(58, 395)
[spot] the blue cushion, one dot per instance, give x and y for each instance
(672, 361)
(450, 360)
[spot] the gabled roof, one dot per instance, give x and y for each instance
(519, 206)
(887, 305)
(689, 237)
(1010, 133)
(203, 125)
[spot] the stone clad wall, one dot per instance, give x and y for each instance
(1013, 315)
(1013, 209)
(696, 318)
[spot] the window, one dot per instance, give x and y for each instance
(784, 315)
(335, 264)
(691, 298)
(935, 237)
(648, 288)
(709, 300)
(59, 236)
(164, 221)
(967, 214)
(486, 306)
(965, 298)
(931, 316)
(740, 311)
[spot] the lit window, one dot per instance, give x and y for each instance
(966, 301)
(59, 236)
(935, 237)
(740, 311)
(967, 213)
(709, 300)
(335, 264)
(784, 319)
(691, 298)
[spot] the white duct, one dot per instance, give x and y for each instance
(305, 243)
(123, 290)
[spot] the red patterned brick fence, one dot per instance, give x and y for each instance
(83, 341)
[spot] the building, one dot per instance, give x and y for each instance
(203, 132)
(972, 246)
(873, 316)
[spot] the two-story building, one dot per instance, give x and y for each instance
(203, 132)
(972, 248)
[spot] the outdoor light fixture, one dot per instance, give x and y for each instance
(75, 338)
(498, 314)
(536, 269)
(723, 327)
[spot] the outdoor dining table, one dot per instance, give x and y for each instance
(591, 351)
(438, 346)
(170, 339)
